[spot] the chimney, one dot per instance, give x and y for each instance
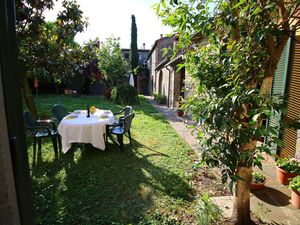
(161, 35)
(144, 45)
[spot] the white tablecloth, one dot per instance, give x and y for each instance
(77, 128)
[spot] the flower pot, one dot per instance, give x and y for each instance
(295, 198)
(180, 113)
(283, 176)
(258, 186)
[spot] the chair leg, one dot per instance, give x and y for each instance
(54, 143)
(39, 155)
(106, 133)
(129, 135)
(34, 151)
(59, 143)
(120, 140)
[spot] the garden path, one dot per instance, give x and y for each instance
(180, 124)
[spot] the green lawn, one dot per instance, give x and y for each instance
(90, 186)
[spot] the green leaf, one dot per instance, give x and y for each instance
(238, 4)
(280, 143)
(231, 183)
(256, 11)
(224, 178)
(255, 117)
(234, 98)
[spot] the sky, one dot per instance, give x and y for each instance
(113, 17)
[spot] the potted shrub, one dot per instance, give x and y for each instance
(287, 169)
(295, 194)
(180, 112)
(258, 181)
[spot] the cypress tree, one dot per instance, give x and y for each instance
(134, 55)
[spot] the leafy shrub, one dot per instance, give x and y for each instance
(161, 99)
(207, 212)
(295, 184)
(155, 96)
(289, 165)
(124, 94)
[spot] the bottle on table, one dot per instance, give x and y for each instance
(88, 111)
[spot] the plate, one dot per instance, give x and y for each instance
(77, 111)
(72, 116)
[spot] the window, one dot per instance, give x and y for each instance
(126, 55)
(140, 57)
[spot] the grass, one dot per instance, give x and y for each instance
(90, 186)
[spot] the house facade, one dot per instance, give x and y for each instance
(143, 79)
(165, 80)
(143, 54)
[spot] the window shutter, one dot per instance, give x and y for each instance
(279, 87)
(293, 101)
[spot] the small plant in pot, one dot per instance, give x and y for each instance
(287, 169)
(295, 194)
(180, 112)
(258, 181)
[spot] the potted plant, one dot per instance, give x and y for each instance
(287, 169)
(295, 194)
(180, 112)
(258, 181)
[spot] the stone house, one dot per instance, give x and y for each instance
(165, 80)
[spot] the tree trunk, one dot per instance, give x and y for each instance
(241, 207)
(28, 96)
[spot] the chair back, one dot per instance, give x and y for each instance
(30, 121)
(59, 112)
(126, 121)
(127, 110)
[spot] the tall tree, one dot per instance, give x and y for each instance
(43, 45)
(111, 62)
(233, 68)
(134, 54)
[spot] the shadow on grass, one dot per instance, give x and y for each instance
(90, 186)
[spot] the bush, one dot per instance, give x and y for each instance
(124, 94)
(161, 99)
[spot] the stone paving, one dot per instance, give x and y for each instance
(180, 124)
(271, 205)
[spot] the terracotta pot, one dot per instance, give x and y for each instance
(283, 176)
(180, 113)
(258, 186)
(295, 199)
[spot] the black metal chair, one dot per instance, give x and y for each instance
(41, 129)
(122, 128)
(59, 112)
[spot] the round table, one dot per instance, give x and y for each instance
(78, 128)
